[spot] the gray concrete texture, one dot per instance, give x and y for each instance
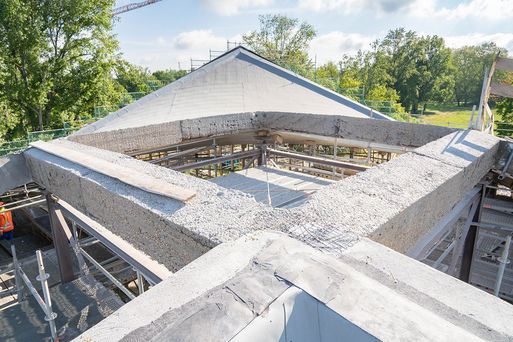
(379, 131)
(13, 171)
(162, 228)
(392, 297)
(151, 136)
(394, 203)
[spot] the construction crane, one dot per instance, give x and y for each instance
(132, 6)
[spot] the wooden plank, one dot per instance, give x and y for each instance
(128, 176)
(501, 89)
(504, 63)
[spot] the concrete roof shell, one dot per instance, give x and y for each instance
(238, 81)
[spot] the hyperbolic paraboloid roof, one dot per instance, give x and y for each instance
(236, 82)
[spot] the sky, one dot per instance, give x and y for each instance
(168, 34)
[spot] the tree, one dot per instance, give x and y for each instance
(169, 75)
(416, 68)
(133, 78)
(469, 64)
(282, 40)
(55, 57)
(505, 109)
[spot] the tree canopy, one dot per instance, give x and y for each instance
(59, 59)
(55, 57)
(282, 39)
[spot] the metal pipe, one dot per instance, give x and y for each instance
(90, 243)
(222, 159)
(7, 270)
(471, 121)
(444, 254)
(506, 166)
(23, 200)
(108, 275)
(50, 316)
(26, 205)
(43, 277)
(140, 283)
(503, 260)
(319, 160)
(16, 267)
(171, 147)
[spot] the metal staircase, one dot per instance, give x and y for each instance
(490, 267)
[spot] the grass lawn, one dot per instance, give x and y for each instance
(450, 115)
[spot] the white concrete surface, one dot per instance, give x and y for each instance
(285, 187)
(239, 81)
(192, 299)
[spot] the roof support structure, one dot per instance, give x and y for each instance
(150, 269)
(319, 160)
(60, 236)
(238, 155)
(428, 241)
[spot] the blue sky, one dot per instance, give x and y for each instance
(169, 33)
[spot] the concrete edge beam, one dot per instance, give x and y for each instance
(377, 131)
(471, 156)
(477, 311)
(13, 171)
(120, 208)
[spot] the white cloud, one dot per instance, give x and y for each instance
(332, 46)
(489, 9)
(356, 6)
(177, 51)
(486, 9)
(197, 39)
(231, 7)
(501, 39)
(168, 52)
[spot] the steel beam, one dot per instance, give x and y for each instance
(493, 227)
(180, 154)
(172, 147)
(217, 160)
(319, 160)
(151, 270)
(462, 237)
(60, 241)
(428, 241)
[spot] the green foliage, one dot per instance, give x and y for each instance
(169, 75)
(382, 93)
(282, 39)
(469, 64)
(133, 78)
(55, 58)
(505, 108)
(421, 69)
